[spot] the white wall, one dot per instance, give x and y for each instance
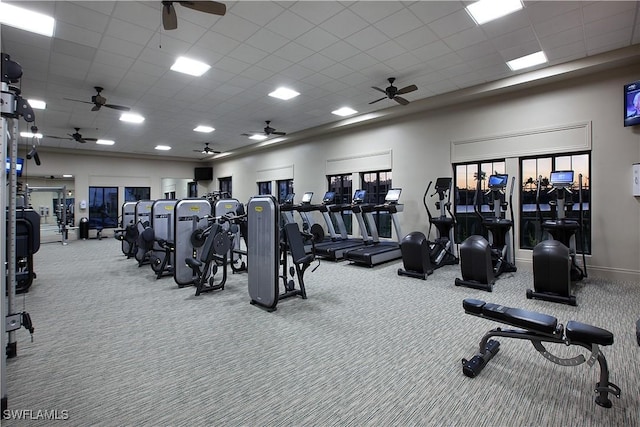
(420, 147)
(104, 170)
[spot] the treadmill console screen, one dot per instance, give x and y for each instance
(498, 181)
(289, 199)
(561, 178)
(393, 195)
(306, 197)
(329, 197)
(358, 196)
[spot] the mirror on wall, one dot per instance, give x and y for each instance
(44, 195)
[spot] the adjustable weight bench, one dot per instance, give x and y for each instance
(540, 328)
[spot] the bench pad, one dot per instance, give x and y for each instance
(526, 319)
(581, 332)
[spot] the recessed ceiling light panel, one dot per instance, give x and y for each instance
(190, 66)
(163, 147)
(344, 111)
(484, 11)
(258, 137)
(26, 20)
(105, 142)
(284, 93)
(527, 61)
(204, 129)
(31, 135)
(131, 118)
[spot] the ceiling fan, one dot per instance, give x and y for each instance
(170, 19)
(207, 150)
(74, 137)
(267, 131)
(392, 92)
(100, 101)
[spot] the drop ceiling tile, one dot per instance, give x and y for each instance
(519, 51)
(102, 78)
(429, 12)
(169, 46)
(465, 38)
(376, 10)
(564, 51)
(147, 68)
(120, 47)
(258, 12)
(514, 38)
(129, 32)
(236, 27)
(24, 39)
(243, 82)
(138, 13)
(267, 40)
(445, 61)
(386, 50)
(340, 51)
(554, 41)
(157, 57)
(337, 71)
(293, 52)
(104, 7)
(316, 39)
(344, 24)
(230, 65)
(609, 40)
(360, 61)
(289, 25)
(609, 24)
(451, 24)
(187, 32)
(432, 50)
(297, 72)
(257, 73)
(316, 62)
(73, 49)
(598, 10)
(201, 54)
(477, 50)
(217, 42)
(317, 79)
(559, 24)
(316, 11)
(399, 23)
(541, 11)
(417, 38)
(506, 24)
(80, 16)
(68, 72)
(248, 54)
(78, 35)
(404, 61)
(367, 38)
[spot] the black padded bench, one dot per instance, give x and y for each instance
(539, 328)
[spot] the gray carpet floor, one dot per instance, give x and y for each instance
(113, 346)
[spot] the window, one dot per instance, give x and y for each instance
(466, 182)
(285, 186)
(224, 185)
(264, 187)
(134, 194)
(103, 207)
(531, 169)
(343, 189)
(377, 184)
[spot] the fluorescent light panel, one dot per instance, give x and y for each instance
(163, 147)
(37, 104)
(131, 118)
(204, 129)
(344, 111)
(484, 11)
(105, 142)
(527, 61)
(190, 66)
(26, 20)
(258, 137)
(284, 93)
(67, 176)
(31, 135)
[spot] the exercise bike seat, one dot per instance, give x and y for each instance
(588, 334)
(526, 319)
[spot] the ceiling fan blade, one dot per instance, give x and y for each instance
(57, 137)
(117, 107)
(82, 140)
(212, 7)
(377, 100)
(407, 89)
(278, 133)
(400, 100)
(96, 107)
(169, 18)
(377, 88)
(89, 139)
(78, 100)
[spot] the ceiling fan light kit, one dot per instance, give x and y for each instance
(392, 92)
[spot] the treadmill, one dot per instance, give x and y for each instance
(380, 251)
(335, 250)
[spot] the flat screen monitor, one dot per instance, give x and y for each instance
(561, 178)
(19, 165)
(359, 195)
(632, 104)
(498, 181)
(288, 200)
(393, 195)
(329, 197)
(306, 197)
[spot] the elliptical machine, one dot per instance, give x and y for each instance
(554, 261)
(482, 261)
(421, 256)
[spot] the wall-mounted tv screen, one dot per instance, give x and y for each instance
(19, 165)
(632, 104)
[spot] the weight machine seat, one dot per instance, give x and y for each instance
(581, 332)
(512, 316)
(538, 322)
